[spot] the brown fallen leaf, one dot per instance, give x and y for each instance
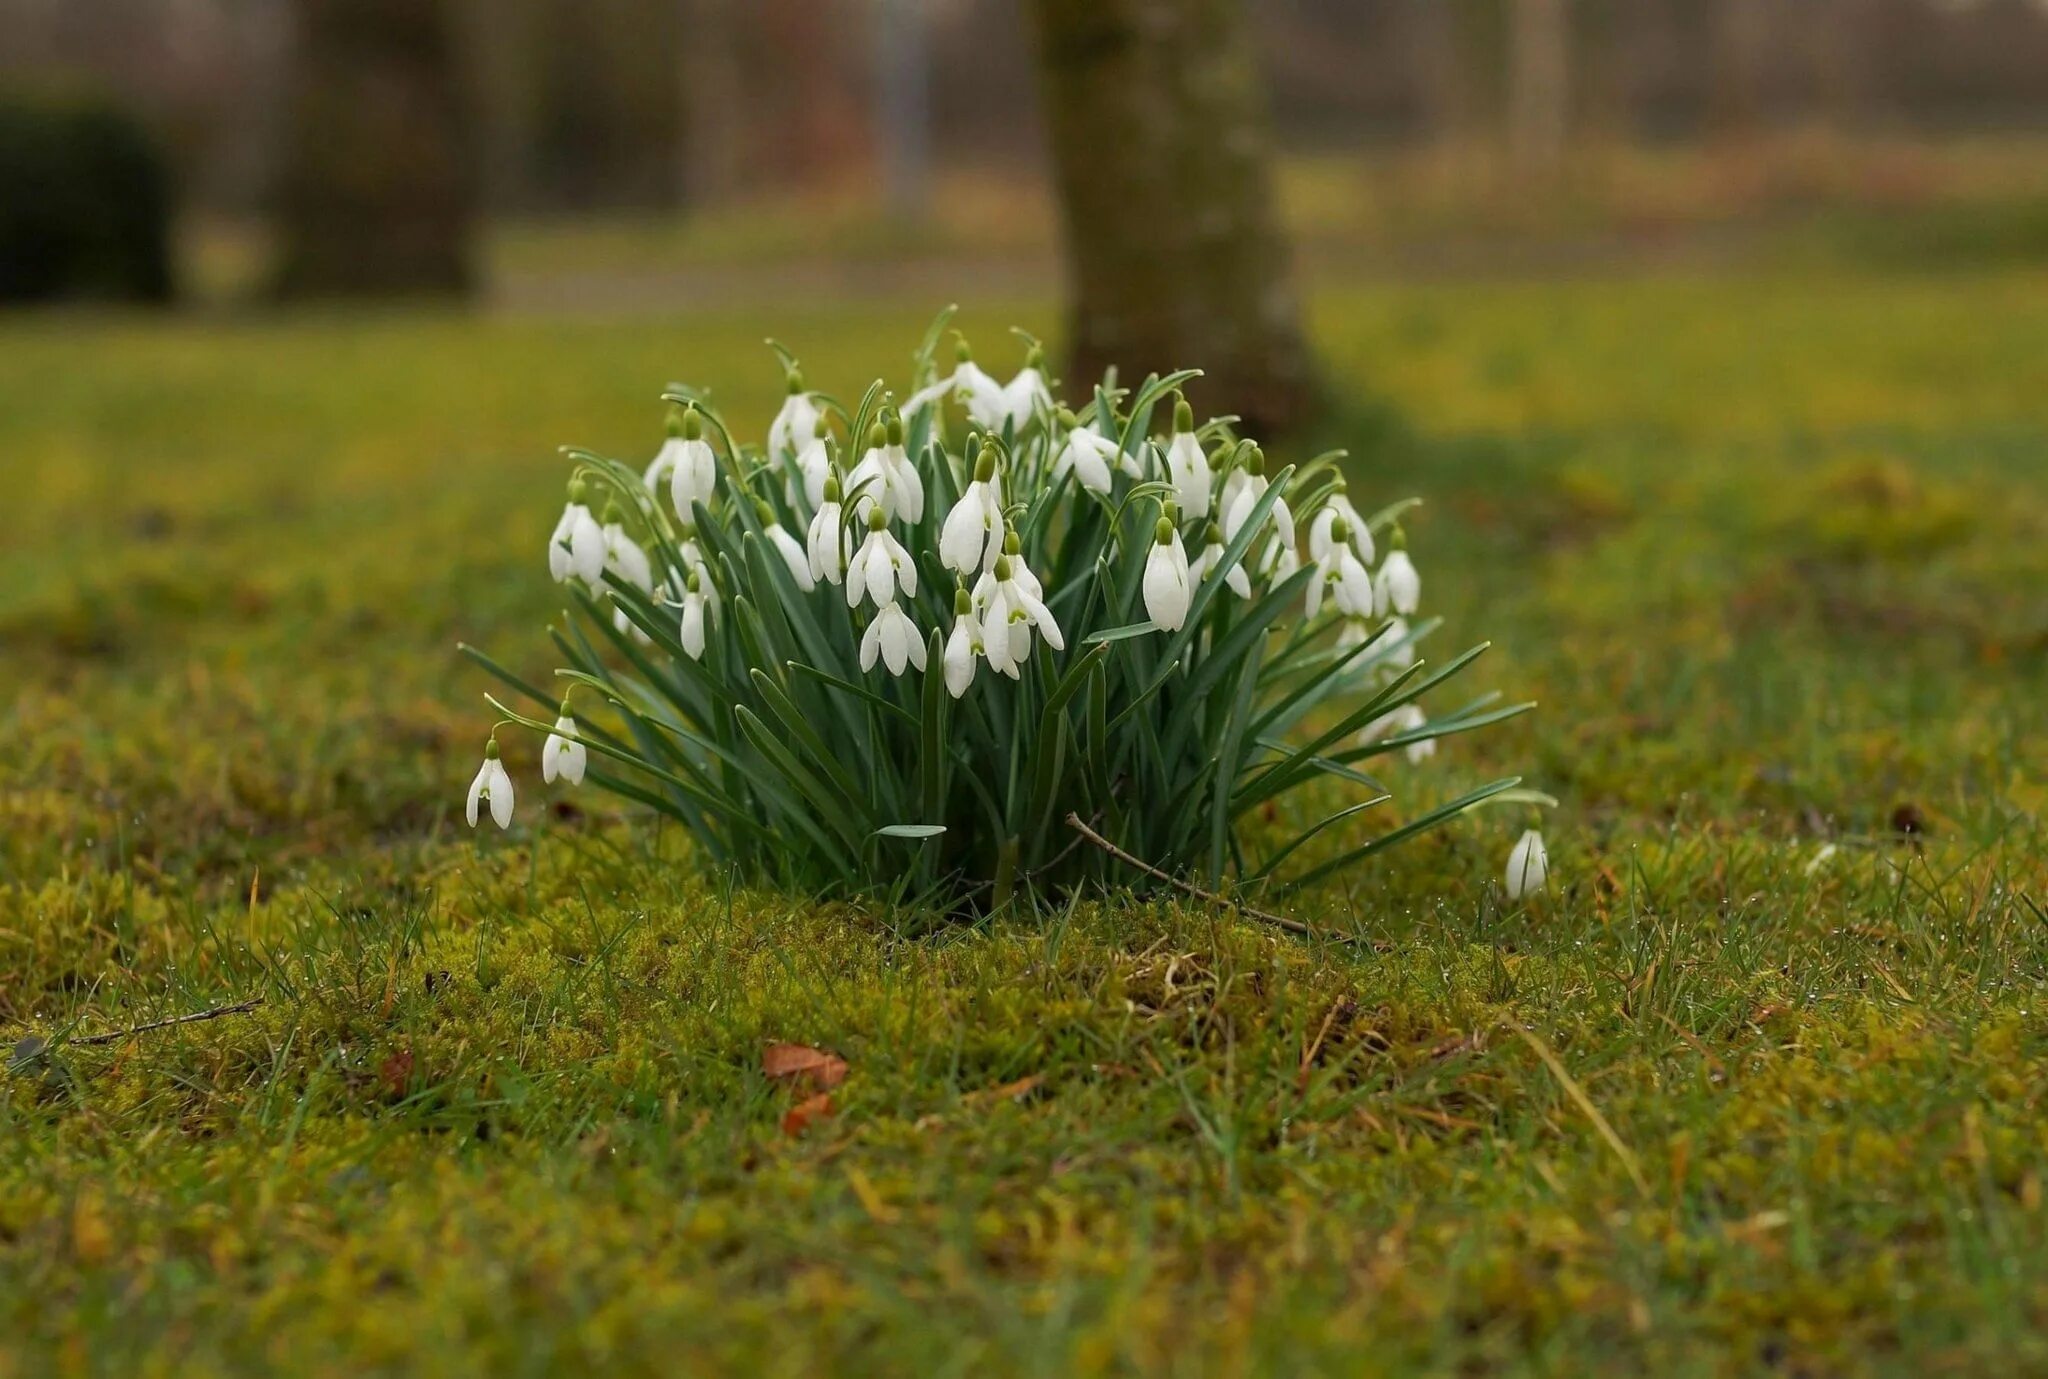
(396, 1072)
(799, 1117)
(806, 1066)
(1009, 1091)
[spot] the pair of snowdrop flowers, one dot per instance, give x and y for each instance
(993, 406)
(563, 757)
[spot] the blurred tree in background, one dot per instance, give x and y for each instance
(1161, 159)
(85, 202)
(377, 185)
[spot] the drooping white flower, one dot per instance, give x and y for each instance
(1252, 486)
(970, 384)
(1398, 586)
(1319, 528)
(828, 542)
(623, 555)
(1026, 395)
(963, 646)
(1168, 587)
(1186, 465)
(1014, 606)
(1342, 576)
(562, 757)
(885, 477)
(1405, 719)
(1089, 454)
(972, 536)
(796, 424)
(692, 470)
(1211, 557)
(812, 463)
(785, 545)
(894, 637)
(576, 550)
(699, 602)
(1528, 866)
(879, 566)
(492, 783)
(1399, 652)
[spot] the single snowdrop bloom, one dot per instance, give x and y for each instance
(1167, 584)
(1319, 537)
(964, 645)
(700, 600)
(796, 424)
(693, 476)
(829, 543)
(1211, 557)
(812, 463)
(879, 566)
(886, 477)
(1229, 472)
(1014, 608)
(972, 536)
(576, 550)
(1340, 574)
(1186, 465)
(671, 452)
(623, 556)
(492, 784)
(1406, 719)
(971, 385)
(1397, 650)
(562, 757)
(894, 637)
(1528, 866)
(1238, 511)
(1026, 395)
(1089, 454)
(793, 555)
(1398, 586)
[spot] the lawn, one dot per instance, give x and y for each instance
(1758, 1084)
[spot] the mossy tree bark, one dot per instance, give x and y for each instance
(377, 194)
(1162, 160)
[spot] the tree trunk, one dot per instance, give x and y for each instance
(1539, 90)
(377, 186)
(1160, 154)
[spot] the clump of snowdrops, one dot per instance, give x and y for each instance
(905, 647)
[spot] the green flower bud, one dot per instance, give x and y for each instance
(1183, 416)
(1254, 460)
(1212, 535)
(1034, 358)
(675, 420)
(1398, 539)
(1170, 510)
(960, 351)
(1065, 418)
(1162, 532)
(795, 381)
(878, 436)
(985, 464)
(963, 602)
(1340, 530)
(1011, 545)
(693, 425)
(876, 521)
(831, 486)
(895, 431)
(491, 748)
(579, 491)
(822, 427)
(614, 515)
(1002, 568)
(764, 512)
(565, 707)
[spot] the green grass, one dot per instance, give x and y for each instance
(1773, 551)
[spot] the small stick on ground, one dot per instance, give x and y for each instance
(238, 1008)
(1292, 926)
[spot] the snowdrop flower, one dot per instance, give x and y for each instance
(699, 602)
(563, 757)
(1015, 605)
(1399, 653)
(1089, 454)
(1186, 465)
(894, 636)
(963, 646)
(1399, 587)
(623, 556)
(1319, 537)
(577, 547)
(1211, 557)
(885, 476)
(1528, 866)
(879, 564)
(1167, 585)
(829, 543)
(1253, 487)
(811, 465)
(970, 384)
(1024, 396)
(1342, 576)
(1405, 719)
(796, 424)
(785, 545)
(692, 468)
(972, 536)
(493, 784)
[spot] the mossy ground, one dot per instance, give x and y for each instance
(1771, 549)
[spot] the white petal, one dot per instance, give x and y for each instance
(476, 790)
(960, 656)
(870, 643)
(586, 548)
(500, 788)
(692, 636)
(894, 639)
(1528, 865)
(792, 556)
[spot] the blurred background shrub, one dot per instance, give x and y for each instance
(85, 201)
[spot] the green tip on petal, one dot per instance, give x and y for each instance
(1183, 416)
(693, 425)
(1162, 532)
